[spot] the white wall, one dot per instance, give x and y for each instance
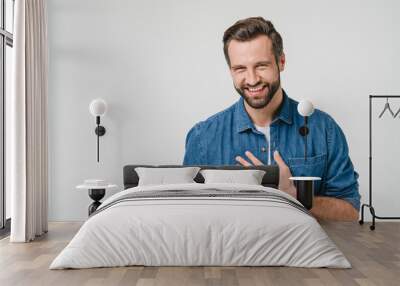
(160, 66)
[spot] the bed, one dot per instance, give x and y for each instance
(201, 224)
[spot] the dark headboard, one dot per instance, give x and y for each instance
(270, 179)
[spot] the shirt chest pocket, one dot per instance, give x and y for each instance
(312, 167)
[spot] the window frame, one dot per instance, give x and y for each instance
(6, 39)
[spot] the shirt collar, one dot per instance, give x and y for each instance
(244, 121)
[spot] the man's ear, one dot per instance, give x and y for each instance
(282, 62)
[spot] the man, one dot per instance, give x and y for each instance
(263, 126)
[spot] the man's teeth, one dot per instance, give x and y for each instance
(255, 89)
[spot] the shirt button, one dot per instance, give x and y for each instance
(263, 149)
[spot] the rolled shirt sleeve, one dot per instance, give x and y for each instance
(341, 179)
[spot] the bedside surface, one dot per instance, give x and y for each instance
(86, 187)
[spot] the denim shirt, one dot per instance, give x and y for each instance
(231, 132)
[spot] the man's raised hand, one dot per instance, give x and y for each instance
(285, 184)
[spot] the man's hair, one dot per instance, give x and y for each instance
(250, 28)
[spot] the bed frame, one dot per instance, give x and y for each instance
(270, 179)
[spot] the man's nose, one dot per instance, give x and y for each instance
(252, 78)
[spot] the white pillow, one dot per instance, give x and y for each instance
(249, 177)
(163, 176)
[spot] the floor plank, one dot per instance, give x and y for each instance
(374, 255)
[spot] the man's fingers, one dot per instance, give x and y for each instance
(279, 160)
(242, 161)
(285, 184)
(253, 159)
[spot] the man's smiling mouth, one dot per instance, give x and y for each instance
(255, 90)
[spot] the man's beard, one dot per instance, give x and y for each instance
(260, 103)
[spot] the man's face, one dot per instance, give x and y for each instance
(255, 73)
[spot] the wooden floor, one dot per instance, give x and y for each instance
(374, 255)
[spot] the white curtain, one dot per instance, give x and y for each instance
(27, 122)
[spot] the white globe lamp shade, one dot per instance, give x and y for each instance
(98, 107)
(305, 108)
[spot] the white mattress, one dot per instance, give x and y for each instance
(200, 231)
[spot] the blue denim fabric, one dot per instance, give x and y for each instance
(229, 133)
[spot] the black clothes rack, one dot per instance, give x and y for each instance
(369, 205)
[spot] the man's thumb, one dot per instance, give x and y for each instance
(278, 159)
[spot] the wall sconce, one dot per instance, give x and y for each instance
(305, 108)
(305, 185)
(97, 108)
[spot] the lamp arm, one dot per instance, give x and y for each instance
(303, 130)
(98, 141)
(305, 143)
(99, 131)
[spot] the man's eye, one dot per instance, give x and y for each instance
(263, 67)
(239, 70)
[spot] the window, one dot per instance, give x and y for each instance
(6, 44)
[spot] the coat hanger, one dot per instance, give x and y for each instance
(387, 107)
(398, 111)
